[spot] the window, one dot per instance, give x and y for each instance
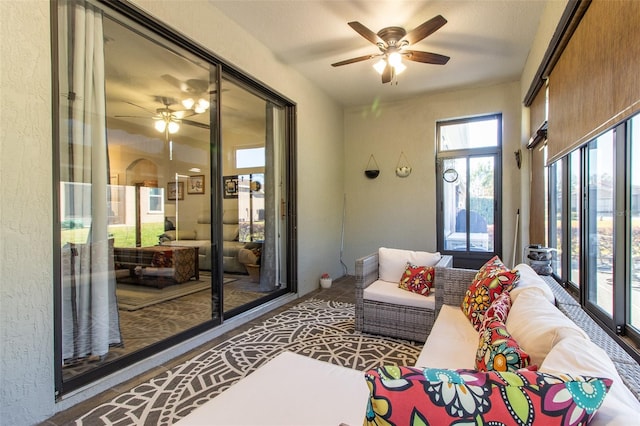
(556, 214)
(575, 218)
(602, 248)
(247, 158)
(469, 176)
(156, 196)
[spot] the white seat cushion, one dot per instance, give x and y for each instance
(384, 291)
(292, 390)
(452, 343)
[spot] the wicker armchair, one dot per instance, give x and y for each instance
(388, 319)
(451, 285)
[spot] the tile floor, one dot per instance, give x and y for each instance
(342, 290)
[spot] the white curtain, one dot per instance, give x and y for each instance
(268, 272)
(90, 313)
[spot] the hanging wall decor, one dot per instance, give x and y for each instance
(372, 171)
(403, 169)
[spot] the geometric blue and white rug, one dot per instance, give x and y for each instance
(315, 328)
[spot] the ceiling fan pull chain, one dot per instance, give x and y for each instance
(403, 171)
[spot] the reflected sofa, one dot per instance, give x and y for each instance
(200, 236)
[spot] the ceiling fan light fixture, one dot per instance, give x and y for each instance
(399, 68)
(201, 106)
(160, 125)
(395, 59)
(188, 103)
(173, 127)
(380, 66)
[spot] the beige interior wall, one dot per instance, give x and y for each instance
(401, 212)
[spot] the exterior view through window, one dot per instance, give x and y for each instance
(597, 236)
(469, 176)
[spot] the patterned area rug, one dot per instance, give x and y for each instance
(314, 328)
(133, 297)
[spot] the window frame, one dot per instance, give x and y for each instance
(469, 258)
(619, 322)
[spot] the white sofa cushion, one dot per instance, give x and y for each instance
(392, 262)
(530, 279)
(452, 343)
(387, 292)
(291, 390)
(575, 356)
(538, 325)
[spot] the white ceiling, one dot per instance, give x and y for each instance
(488, 41)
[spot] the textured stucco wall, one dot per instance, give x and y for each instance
(26, 305)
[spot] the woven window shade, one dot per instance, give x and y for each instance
(595, 83)
(537, 196)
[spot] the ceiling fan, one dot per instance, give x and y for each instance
(167, 119)
(196, 92)
(393, 42)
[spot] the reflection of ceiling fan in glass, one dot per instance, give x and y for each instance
(166, 119)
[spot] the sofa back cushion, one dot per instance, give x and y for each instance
(392, 262)
(538, 325)
(410, 395)
(530, 279)
(180, 235)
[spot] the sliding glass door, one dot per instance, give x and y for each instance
(174, 176)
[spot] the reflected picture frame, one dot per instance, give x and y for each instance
(230, 186)
(195, 184)
(175, 191)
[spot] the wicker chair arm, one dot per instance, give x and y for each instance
(366, 270)
(451, 285)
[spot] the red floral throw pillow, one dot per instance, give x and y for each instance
(498, 350)
(417, 279)
(490, 281)
(499, 309)
(412, 396)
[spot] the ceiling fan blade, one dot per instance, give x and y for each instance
(353, 60)
(132, 116)
(425, 57)
(142, 108)
(365, 32)
(386, 74)
(195, 124)
(425, 29)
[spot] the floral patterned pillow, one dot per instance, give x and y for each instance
(498, 351)
(417, 279)
(410, 395)
(490, 281)
(499, 309)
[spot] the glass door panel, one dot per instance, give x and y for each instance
(575, 217)
(135, 194)
(634, 261)
(481, 202)
(454, 196)
(599, 219)
(252, 141)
